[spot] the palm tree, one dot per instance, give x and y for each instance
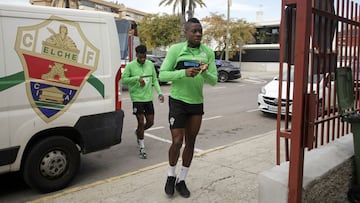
(191, 4)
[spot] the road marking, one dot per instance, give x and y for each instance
(219, 87)
(257, 81)
(157, 138)
(252, 110)
(167, 141)
(211, 118)
(155, 128)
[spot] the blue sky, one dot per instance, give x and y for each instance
(240, 9)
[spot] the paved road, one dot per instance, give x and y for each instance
(231, 115)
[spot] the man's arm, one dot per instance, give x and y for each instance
(155, 81)
(211, 75)
(167, 69)
(126, 77)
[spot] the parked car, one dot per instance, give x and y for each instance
(227, 71)
(268, 96)
(157, 60)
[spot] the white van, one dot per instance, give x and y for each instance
(59, 83)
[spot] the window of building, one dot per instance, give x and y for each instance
(87, 3)
(267, 35)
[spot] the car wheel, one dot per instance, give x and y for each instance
(223, 76)
(51, 164)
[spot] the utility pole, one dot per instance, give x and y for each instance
(227, 31)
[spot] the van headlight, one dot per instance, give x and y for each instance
(262, 90)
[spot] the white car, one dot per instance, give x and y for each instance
(268, 96)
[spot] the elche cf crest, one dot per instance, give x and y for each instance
(57, 60)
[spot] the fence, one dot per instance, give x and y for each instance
(316, 37)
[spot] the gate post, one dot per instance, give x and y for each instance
(301, 62)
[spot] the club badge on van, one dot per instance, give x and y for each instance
(57, 60)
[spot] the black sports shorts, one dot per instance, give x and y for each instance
(146, 108)
(179, 111)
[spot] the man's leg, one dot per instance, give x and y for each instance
(149, 121)
(140, 126)
(140, 135)
(177, 119)
(177, 141)
(174, 153)
(192, 128)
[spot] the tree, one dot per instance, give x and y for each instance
(159, 31)
(191, 4)
(215, 33)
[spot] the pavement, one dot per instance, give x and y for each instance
(223, 174)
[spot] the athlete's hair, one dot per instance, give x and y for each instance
(141, 49)
(190, 21)
(193, 20)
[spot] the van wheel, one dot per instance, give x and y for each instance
(51, 164)
(223, 76)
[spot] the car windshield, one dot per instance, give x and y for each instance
(225, 63)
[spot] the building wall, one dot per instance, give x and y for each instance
(119, 10)
(56, 3)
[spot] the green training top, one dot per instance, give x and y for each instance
(131, 75)
(188, 89)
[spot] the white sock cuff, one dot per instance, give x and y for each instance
(171, 171)
(183, 173)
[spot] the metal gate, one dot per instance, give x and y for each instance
(317, 36)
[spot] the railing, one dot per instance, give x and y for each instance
(316, 37)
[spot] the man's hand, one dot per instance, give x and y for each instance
(203, 67)
(192, 72)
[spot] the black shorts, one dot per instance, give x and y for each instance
(179, 111)
(146, 108)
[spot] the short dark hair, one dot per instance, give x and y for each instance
(191, 20)
(141, 49)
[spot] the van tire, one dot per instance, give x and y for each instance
(51, 164)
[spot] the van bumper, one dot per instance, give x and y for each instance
(100, 131)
